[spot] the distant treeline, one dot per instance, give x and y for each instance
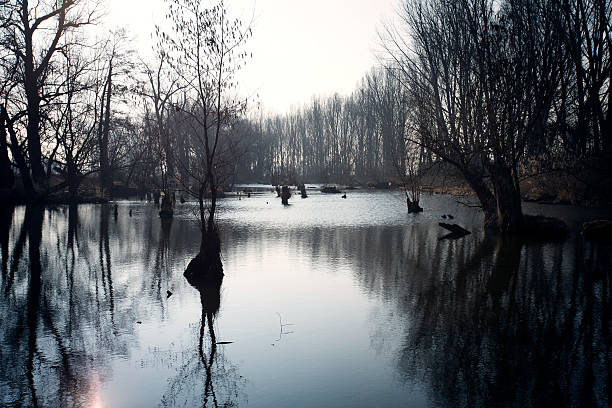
(336, 138)
(524, 84)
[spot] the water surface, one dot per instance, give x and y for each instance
(327, 302)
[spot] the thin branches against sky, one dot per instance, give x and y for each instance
(300, 48)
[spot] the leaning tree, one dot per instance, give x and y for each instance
(481, 78)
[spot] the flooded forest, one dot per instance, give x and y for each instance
(440, 236)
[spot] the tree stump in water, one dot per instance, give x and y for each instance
(206, 266)
(167, 210)
(330, 190)
(204, 270)
(285, 195)
(413, 206)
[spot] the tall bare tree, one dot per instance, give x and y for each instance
(33, 32)
(206, 50)
(160, 89)
(481, 77)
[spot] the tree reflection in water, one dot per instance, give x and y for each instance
(217, 379)
(514, 329)
(67, 315)
(6, 219)
(486, 320)
(56, 330)
(494, 320)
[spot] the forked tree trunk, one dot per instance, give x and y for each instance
(485, 197)
(210, 245)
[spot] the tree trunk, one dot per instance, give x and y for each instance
(73, 179)
(73, 186)
(201, 192)
(169, 156)
(413, 206)
(30, 82)
(38, 172)
(485, 197)
(210, 247)
(105, 174)
(508, 200)
(7, 179)
(213, 201)
(18, 154)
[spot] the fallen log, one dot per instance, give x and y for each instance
(454, 229)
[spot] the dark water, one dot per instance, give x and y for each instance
(327, 303)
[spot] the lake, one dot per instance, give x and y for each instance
(327, 302)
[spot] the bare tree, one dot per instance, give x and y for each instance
(481, 79)
(118, 64)
(74, 119)
(160, 89)
(205, 49)
(33, 33)
(585, 102)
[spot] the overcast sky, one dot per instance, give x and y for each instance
(300, 47)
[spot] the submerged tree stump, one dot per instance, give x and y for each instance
(206, 267)
(285, 195)
(166, 210)
(203, 271)
(330, 190)
(413, 206)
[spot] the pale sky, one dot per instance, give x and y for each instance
(300, 48)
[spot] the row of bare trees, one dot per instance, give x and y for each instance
(499, 90)
(63, 97)
(334, 139)
(75, 107)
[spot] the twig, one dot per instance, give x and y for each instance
(280, 321)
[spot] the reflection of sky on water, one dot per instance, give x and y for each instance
(376, 310)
